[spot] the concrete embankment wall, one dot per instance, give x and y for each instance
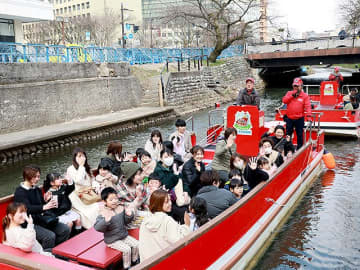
(39, 94)
(193, 90)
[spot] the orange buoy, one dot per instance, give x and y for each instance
(329, 160)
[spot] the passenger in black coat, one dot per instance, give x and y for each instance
(256, 171)
(30, 195)
(281, 144)
(192, 170)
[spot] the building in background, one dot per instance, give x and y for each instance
(83, 21)
(162, 32)
(15, 12)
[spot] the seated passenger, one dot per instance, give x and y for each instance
(154, 145)
(104, 177)
(354, 93)
(114, 154)
(217, 199)
(236, 187)
(192, 170)
(348, 105)
(165, 169)
(198, 213)
(353, 105)
(15, 235)
(131, 189)
(281, 144)
(159, 231)
(112, 221)
(147, 163)
(153, 184)
(238, 162)
(84, 199)
(178, 160)
(257, 171)
(49, 232)
(181, 140)
(61, 188)
(266, 150)
(225, 148)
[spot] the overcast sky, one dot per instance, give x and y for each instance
(307, 15)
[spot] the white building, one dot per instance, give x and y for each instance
(15, 12)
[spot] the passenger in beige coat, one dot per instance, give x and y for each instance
(158, 231)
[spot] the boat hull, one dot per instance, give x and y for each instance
(237, 235)
(285, 207)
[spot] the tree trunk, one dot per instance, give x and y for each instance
(217, 51)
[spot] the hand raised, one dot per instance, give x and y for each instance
(253, 163)
(28, 219)
(186, 219)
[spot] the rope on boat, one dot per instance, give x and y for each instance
(274, 202)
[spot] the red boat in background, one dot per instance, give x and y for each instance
(328, 102)
(239, 235)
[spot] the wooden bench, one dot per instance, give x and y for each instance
(30, 260)
(89, 248)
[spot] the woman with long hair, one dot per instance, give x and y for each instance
(79, 172)
(154, 145)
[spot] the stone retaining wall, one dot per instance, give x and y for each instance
(9, 156)
(36, 104)
(191, 90)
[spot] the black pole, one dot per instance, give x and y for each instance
(122, 26)
(189, 64)
(179, 65)
(194, 63)
(167, 66)
(207, 61)
(198, 64)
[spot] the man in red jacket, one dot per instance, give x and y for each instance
(336, 76)
(298, 107)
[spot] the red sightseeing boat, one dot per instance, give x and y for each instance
(235, 238)
(329, 103)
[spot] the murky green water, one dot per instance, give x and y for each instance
(322, 233)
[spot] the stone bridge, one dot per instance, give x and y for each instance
(295, 53)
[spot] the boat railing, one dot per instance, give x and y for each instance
(215, 111)
(190, 120)
(204, 141)
(314, 123)
(346, 88)
(307, 86)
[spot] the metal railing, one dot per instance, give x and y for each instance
(38, 53)
(351, 41)
(348, 88)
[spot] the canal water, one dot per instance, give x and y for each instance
(322, 233)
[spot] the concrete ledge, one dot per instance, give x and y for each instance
(16, 139)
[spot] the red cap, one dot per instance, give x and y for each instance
(250, 79)
(298, 82)
(337, 69)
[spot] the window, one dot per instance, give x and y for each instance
(87, 4)
(65, 9)
(88, 15)
(83, 5)
(163, 34)
(78, 6)
(74, 8)
(69, 8)
(61, 11)
(60, 1)
(57, 1)
(83, 15)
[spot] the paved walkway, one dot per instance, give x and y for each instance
(14, 139)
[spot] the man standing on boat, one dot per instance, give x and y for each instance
(336, 76)
(248, 96)
(298, 107)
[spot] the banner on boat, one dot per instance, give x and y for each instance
(328, 89)
(242, 123)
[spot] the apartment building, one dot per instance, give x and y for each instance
(73, 12)
(15, 12)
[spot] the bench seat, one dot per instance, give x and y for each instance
(102, 256)
(77, 245)
(19, 258)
